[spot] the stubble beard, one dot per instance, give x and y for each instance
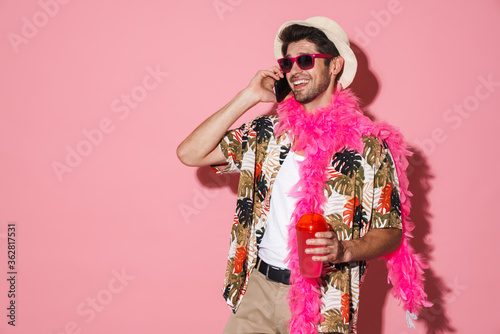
(314, 92)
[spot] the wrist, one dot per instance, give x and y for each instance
(249, 97)
(347, 251)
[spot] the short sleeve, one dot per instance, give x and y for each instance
(387, 204)
(232, 146)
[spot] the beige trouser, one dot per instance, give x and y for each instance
(263, 309)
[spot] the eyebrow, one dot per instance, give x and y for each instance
(300, 54)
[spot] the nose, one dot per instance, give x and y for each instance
(295, 69)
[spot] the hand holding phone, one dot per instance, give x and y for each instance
(281, 89)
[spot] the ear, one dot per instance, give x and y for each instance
(336, 65)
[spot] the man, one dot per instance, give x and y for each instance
(319, 154)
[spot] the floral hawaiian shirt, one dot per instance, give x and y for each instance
(362, 193)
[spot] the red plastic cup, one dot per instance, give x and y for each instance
(306, 227)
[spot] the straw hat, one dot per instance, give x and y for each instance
(335, 34)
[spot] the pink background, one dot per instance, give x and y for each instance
(125, 239)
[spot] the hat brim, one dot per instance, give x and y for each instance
(350, 62)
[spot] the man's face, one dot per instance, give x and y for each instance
(307, 85)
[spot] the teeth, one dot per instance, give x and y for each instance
(298, 82)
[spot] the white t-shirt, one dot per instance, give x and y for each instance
(273, 247)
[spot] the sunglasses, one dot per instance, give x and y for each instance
(305, 62)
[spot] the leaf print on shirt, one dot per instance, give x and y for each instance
(367, 196)
(270, 164)
(235, 140)
(372, 151)
(225, 294)
(239, 258)
(237, 135)
(264, 129)
(343, 184)
(337, 224)
(333, 322)
(340, 280)
(261, 185)
(235, 282)
(344, 309)
(283, 153)
(258, 169)
(260, 235)
(385, 172)
(358, 218)
(384, 203)
(246, 184)
(244, 141)
(381, 176)
(395, 202)
(241, 236)
(395, 220)
(244, 211)
(347, 175)
(350, 210)
(332, 173)
(361, 227)
(346, 162)
(257, 210)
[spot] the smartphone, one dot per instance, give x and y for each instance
(281, 89)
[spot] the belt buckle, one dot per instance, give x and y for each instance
(267, 272)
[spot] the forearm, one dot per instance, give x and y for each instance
(198, 148)
(376, 243)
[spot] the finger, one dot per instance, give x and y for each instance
(323, 238)
(328, 254)
(327, 235)
(320, 241)
(317, 250)
(276, 71)
(273, 75)
(323, 258)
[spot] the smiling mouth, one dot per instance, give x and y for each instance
(300, 83)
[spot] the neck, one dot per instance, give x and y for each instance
(322, 100)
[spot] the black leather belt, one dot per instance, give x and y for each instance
(273, 273)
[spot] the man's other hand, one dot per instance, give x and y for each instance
(376, 242)
(333, 250)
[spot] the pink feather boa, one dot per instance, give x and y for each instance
(320, 134)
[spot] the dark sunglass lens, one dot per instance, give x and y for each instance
(305, 62)
(286, 65)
